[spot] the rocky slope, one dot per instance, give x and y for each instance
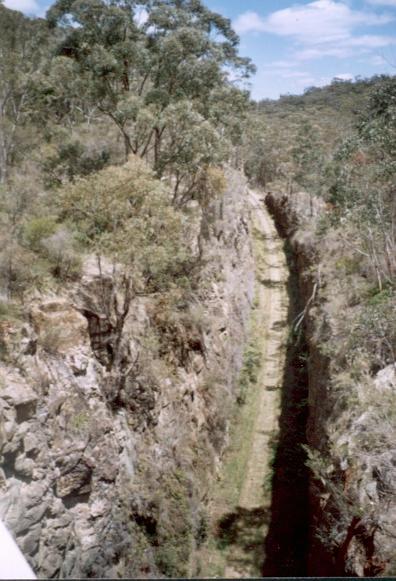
(351, 425)
(105, 468)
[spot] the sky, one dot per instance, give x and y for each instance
(302, 43)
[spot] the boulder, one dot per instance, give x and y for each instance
(59, 326)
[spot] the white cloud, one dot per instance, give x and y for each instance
(294, 75)
(370, 41)
(26, 6)
(320, 28)
(250, 22)
(321, 19)
(278, 65)
(344, 76)
(308, 54)
(382, 2)
(347, 48)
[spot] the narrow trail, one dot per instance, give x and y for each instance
(272, 276)
(239, 511)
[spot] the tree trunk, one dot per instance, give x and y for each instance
(3, 160)
(127, 145)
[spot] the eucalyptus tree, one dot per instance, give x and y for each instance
(306, 156)
(164, 72)
(364, 185)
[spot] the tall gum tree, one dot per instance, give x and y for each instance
(145, 74)
(364, 186)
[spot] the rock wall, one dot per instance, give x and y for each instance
(350, 429)
(111, 433)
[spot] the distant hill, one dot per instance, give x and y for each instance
(277, 127)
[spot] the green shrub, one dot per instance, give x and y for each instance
(175, 530)
(19, 269)
(60, 249)
(80, 422)
(379, 298)
(57, 249)
(249, 371)
(373, 332)
(124, 212)
(72, 160)
(349, 264)
(37, 229)
(9, 311)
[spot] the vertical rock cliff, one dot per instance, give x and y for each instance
(351, 424)
(113, 420)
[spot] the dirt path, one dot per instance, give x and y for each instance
(240, 507)
(273, 313)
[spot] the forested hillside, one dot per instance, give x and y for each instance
(134, 261)
(338, 144)
(92, 85)
(331, 168)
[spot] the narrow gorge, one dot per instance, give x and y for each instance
(89, 476)
(239, 510)
(312, 506)
(78, 453)
(197, 295)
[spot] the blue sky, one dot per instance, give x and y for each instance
(302, 43)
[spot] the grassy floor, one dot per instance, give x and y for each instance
(212, 557)
(235, 531)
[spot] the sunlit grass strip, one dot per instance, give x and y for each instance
(227, 490)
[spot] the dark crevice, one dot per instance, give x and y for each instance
(8, 464)
(71, 500)
(9, 467)
(101, 336)
(25, 411)
(286, 545)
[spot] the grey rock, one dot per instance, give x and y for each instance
(24, 466)
(76, 480)
(98, 465)
(29, 543)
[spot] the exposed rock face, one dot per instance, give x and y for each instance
(351, 430)
(111, 433)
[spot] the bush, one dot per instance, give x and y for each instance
(373, 333)
(249, 371)
(60, 249)
(9, 311)
(72, 160)
(175, 530)
(125, 213)
(215, 181)
(349, 264)
(56, 247)
(37, 229)
(19, 269)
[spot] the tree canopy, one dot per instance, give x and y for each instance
(152, 65)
